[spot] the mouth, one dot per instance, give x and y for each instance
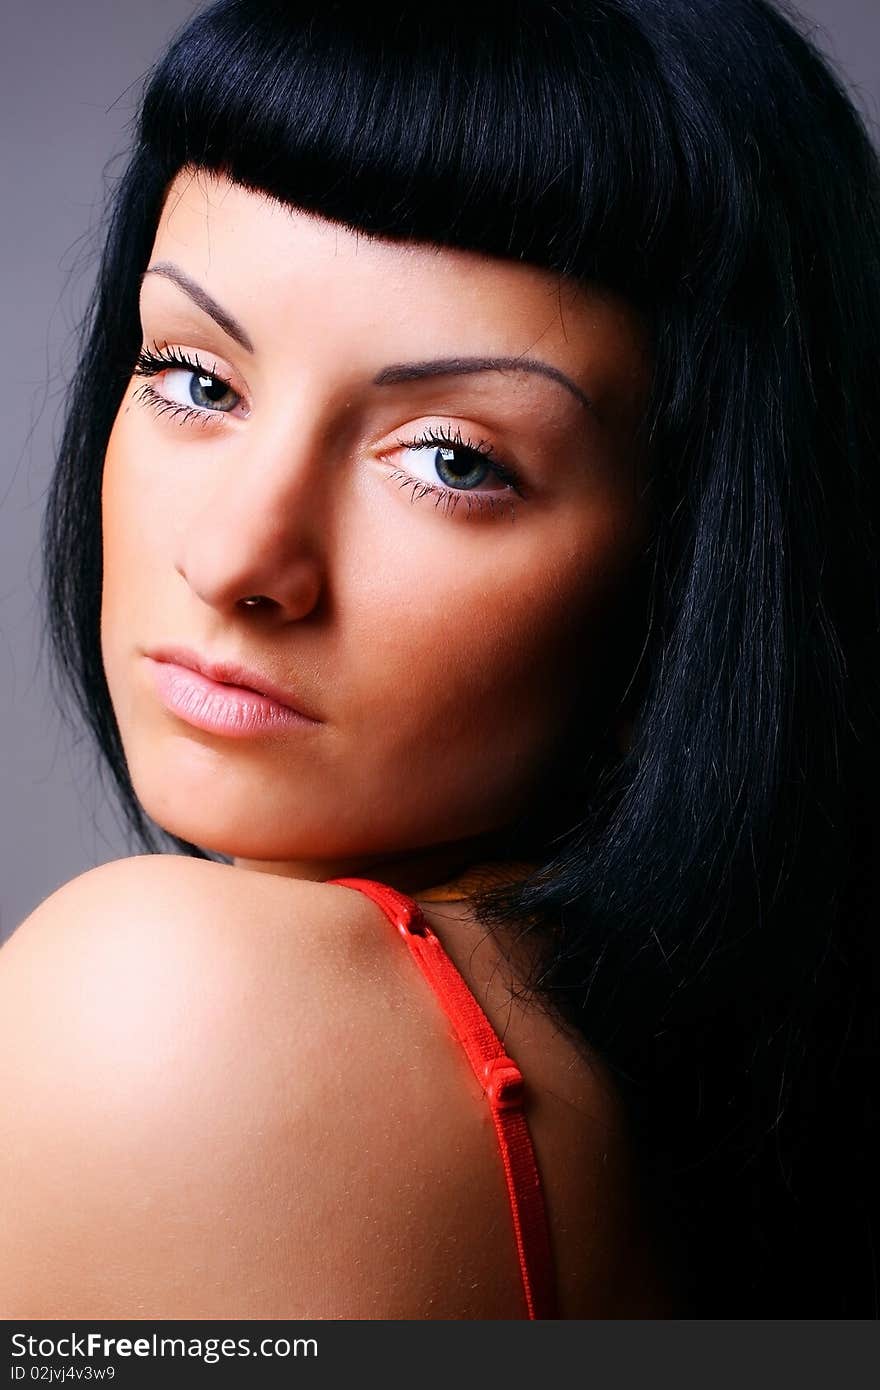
(222, 696)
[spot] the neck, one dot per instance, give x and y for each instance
(409, 871)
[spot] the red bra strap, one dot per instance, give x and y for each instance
(502, 1083)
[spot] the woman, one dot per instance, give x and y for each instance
(602, 732)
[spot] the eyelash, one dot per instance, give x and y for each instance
(161, 359)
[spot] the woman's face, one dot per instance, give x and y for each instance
(436, 618)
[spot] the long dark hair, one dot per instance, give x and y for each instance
(705, 902)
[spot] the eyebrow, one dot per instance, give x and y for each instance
(389, 376)
(205, 301)
(462, 366)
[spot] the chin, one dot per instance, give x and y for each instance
(228, 820)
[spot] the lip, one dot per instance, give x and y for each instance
(222, 696)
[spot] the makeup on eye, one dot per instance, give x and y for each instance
(445, 444)
(173, 361)
(474, 456)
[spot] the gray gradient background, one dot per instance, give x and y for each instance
(70, 75)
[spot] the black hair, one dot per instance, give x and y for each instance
(706, 900)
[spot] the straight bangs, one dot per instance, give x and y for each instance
(519, 138)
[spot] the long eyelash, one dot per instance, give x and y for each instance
(181, 414)
(450, 497)
(151, 363)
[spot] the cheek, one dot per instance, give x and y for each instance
(128, 531)
(483, 663)
(119, 522)
(501, 613)
(115, 543)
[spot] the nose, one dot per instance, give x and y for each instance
(257, 534)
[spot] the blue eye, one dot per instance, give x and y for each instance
(459, 465)
(462, 465)
(205, 389)
(211, 389)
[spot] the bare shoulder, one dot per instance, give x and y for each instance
(207, 1085)
(226, 1094)
(125, 895)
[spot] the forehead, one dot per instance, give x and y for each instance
(220, 230)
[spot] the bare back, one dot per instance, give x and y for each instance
(579, 1132)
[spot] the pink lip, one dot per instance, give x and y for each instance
(208, 699)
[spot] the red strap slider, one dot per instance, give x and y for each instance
(504, 1083)
(409, 919)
